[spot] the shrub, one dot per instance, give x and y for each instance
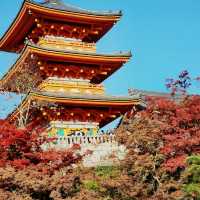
(91, 185)
(191, 177)
(107, 171)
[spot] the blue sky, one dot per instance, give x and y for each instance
(163, 36)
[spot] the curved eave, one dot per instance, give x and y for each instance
(77, 55)
(29, 10)
(78, 16)
(63, 56)
(86, 101)
(78, 10)
(15, 25)
(115, 102)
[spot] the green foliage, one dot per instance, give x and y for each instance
(193, 160)
(91, 185)
(107, 171)
(192, 177)
(192, 190)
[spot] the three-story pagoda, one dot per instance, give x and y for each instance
(60, 70)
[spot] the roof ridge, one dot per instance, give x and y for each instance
(60, 4)
(118, 53)
(53, 2)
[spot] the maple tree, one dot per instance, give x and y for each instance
(26, 171)
(180, 128)
(179, 85)
(159, 141)
(22, 147)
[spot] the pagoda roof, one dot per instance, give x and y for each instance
(93, 101)
(60, 5)
(57, 11)
(81, 53)
(63, 56)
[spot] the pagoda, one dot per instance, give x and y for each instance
(60, 71)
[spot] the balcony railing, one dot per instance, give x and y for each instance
(69, 141)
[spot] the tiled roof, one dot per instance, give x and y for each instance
(88, 97)
(95, 98)
(60, 5)
(125, 54)
(119, 53)
(146, 93)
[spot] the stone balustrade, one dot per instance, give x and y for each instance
(105, 149)
(83, 141)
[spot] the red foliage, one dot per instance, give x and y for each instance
(172, 164)
(180, 128)
(21, 148)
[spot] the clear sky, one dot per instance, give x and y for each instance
(163, 36)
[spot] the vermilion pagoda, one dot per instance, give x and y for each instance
(59, 69)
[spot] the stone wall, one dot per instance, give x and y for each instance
(104, 154)
(104, 149)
